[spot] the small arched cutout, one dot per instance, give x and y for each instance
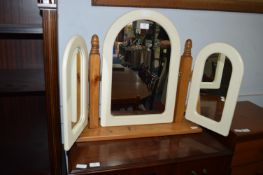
(231, 53)
(107, 119)
(74, 89)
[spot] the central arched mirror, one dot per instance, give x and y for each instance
(139, 70)
(140, 67)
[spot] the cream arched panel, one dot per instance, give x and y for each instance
(74, 89)
(107, 119)
(222, 127)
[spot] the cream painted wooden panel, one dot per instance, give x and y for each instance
(69, 92)
(232, 54)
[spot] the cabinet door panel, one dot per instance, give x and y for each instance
(215, 166)
(253, 169)
(248, 152)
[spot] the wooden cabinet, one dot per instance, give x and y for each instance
(216, 166)
(182, 154)
(248, 144)
(246, 139)
(29, 96)
(185, 154)
(21, 53)
(23, 115)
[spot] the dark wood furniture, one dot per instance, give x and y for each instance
(168, 155)
(127, 87)
(246, 139)
(211, 106)
(23, 114)
(182, 154)
(30, 132)
(26, 116)
(255, 6)
(133, 55)
(50, 41)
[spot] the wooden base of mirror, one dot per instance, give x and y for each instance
(94, 132)
(138, 131)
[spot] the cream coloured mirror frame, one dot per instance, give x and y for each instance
(232, 54)
(69, 85)
(107, 119)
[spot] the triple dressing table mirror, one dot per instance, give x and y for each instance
(139, 87)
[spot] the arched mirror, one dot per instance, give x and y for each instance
(139, 70)
(141, 57)
(215, 85)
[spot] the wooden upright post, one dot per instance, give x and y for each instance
(183, 81)
(50, 52)
(94, 78)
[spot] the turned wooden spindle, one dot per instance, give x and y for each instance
(94, 78)
(94, 45)
(185, 72)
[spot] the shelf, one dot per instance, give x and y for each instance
(21, 29)
(21, 81)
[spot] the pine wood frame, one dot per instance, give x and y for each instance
(254, 6)
(94, 132)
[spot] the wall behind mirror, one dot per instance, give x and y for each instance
(141, 56)
(242, 30)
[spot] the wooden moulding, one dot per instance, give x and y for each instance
(255, 6)
(94, 132)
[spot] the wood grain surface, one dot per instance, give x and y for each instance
(255, 6)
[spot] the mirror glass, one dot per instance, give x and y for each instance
(214, 86)
(76, 75)
(141, 56)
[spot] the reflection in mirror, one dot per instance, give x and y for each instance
(76, 86)
(141, 56)
(212, 98)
